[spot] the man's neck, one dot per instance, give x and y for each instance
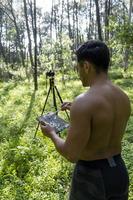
(99, 79)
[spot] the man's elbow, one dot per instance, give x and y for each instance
(68, 154)
(72, 159)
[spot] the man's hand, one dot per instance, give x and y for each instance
(66, 106)
(47, 130)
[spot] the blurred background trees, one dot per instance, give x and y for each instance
(33, 40)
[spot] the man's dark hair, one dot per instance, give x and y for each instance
(95, 52)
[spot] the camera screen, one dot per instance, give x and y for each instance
(54, 120)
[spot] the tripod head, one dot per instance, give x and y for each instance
(50, 74)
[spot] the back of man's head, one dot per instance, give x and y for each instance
(95, 52)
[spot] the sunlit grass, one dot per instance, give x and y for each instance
(31, 168)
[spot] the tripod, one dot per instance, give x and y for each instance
(53, 89)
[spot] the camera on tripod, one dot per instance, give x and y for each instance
(52, 118)
(50, 74)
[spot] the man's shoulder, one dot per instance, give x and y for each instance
(84, 102)
(84, 98)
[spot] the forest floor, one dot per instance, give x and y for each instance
(30, 168)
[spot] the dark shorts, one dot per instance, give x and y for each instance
(105, 179)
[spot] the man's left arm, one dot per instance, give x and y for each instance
(78, 133)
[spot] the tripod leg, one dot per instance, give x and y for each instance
(61, 101)
(54, 102)
(42, 111)
(54, 99)
(46, 101)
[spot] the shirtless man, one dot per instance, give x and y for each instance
(98, 121)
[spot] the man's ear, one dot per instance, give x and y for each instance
(87, 67)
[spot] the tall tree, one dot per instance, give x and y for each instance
(127, 48)
(34, 17)
(2, 50)
(33, 59)
(28, 33)
(68, 18)
(107, 15)
(98, 20)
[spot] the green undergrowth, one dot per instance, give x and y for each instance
(30, 168)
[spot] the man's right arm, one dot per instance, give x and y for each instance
(66, 106)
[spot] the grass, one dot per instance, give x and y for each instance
(31, 169)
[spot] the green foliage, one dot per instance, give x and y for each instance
(121, 40)
(31, 169)
(122, 32)
(56, 54)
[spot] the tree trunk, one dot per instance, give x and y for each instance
(61, 45)
(74, 39)
(68, 18)
(34, 31)
(2, 51)
(18, 35)
(35, 47)
(130, 9)
(107, 14)
(28, 33)
(98, 21)
(127, 48)
(90, 21)
(77, 23)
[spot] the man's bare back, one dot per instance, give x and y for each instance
(110, 111)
